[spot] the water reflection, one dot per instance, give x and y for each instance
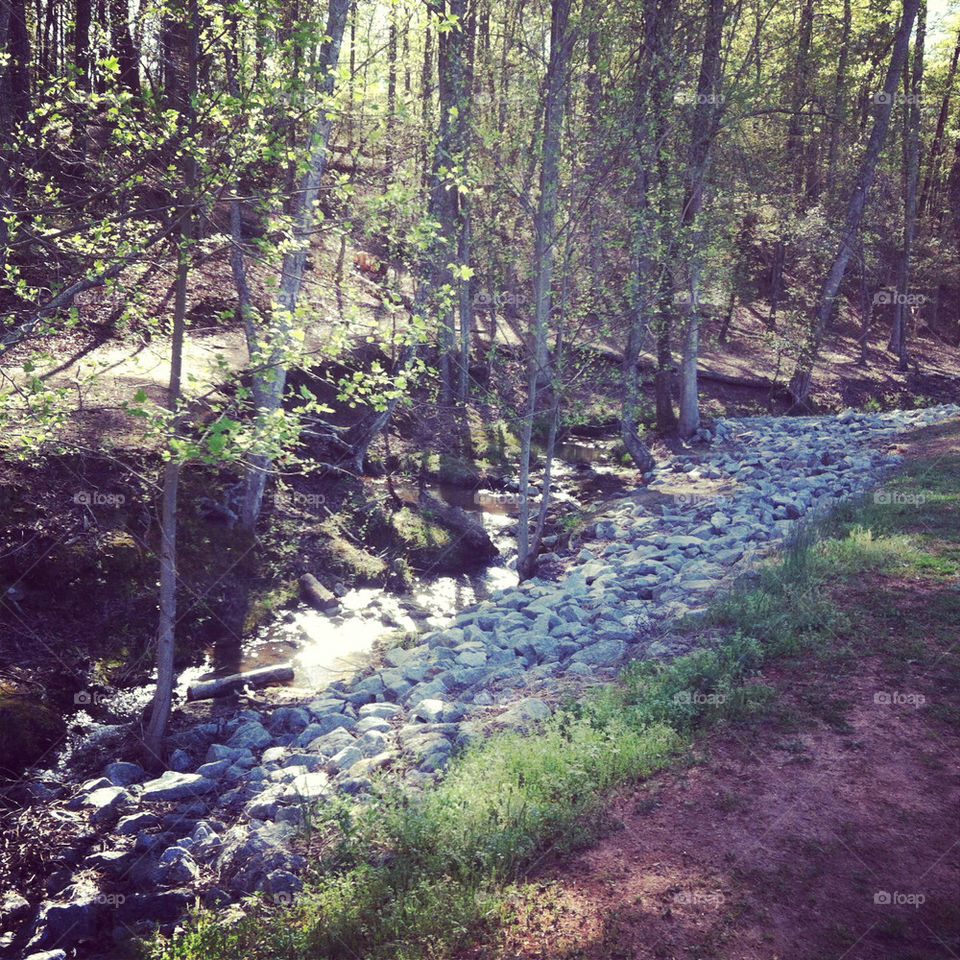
(324, 647)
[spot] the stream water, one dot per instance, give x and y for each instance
(326, 646)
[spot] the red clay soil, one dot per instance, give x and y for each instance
(826, 830)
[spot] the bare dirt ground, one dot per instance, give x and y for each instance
(830, 832)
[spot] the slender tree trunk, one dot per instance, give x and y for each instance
(650, 86)
(562, 38)
(914, 90)
(81, 42)
(466, 307)
(706, 116)
(237, 263)
(124, 48)
(426, 104)
(866, 311)
(16, 84)
(801, 381)
(801, 84)
(186, 63)
(271, 378)
(839, 99)
(936, 147)
(391, 93)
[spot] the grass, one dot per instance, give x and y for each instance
(414, 875)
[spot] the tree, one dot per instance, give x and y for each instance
(913, 97)
(280, 338)
(184, 60)
(562, 39)
(651, 84)
(800, 383)
(706, 117)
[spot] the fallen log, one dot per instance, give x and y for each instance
(221, 686)
(313, 592)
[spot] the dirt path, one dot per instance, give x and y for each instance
(826, 830)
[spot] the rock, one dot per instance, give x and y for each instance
(308, 787)
(288, 720)
(601, 653)
(344, 759)
(309, 761)
(399, 657)
(122, 774)
(429, 710)
(48, 955)
(248, 856)
(250, 736)
(323, 726)
(13, 908)
(179, 761)
(354, 786)
(217, 751)
(525, 712)
(176, 786)
(373, 723)
(282, 882)
(265, 804)
(332, 742)
(64, 924)
(175, 867)
(109, 861)
(164, 907)
(273, 755)
(215, 770)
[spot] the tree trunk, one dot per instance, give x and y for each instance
(663, 386)
(562, 39)
(913, 86)
(936, 148)
(124, 48)
(81, 43)
(650, 85)
(706, 116)
(801, 83)
(185, 60)
(271, 376)
(839, 100)
(801, 381)
(237, 263)
(15, 97)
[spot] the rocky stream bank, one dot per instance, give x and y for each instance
(222, 821)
